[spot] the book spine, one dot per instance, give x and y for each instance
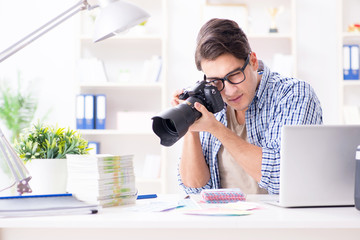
(80, 111)
(94, 147)
(89, 111)
(354, 62)
(346, 62)
(100, 111)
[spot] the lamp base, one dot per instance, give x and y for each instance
(23, 186)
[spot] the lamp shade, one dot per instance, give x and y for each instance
(117, 16)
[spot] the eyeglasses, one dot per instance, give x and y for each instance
(236, 76)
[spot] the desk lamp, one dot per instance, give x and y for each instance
(115, 16)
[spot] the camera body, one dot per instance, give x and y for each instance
(173, 123)
(206, 94)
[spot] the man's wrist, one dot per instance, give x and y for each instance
(191, 134)
(218, 129)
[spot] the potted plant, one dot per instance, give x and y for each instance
(43, 148)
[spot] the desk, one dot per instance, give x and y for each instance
(271, 222)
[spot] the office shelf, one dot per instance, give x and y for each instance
(270, 36)
(100, 132)
(86, 38)
(112, 85)
(351, 82)
(129, 52)
(349, 90)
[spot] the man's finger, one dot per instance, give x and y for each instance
(198, 106)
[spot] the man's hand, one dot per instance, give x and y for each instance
(206, 123)
(175, 100)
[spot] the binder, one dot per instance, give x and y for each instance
(354, 62)
(95, 147)
(351, 61)
(80, 111)
(346, 62)
(100, 111)
(89, 111)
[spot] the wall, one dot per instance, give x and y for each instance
(47, 64)
(317, 52)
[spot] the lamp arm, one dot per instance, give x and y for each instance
(81, 5)
(15, 165)
(19, 172)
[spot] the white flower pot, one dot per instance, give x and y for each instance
(49, 176)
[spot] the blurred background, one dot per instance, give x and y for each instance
(139, 70)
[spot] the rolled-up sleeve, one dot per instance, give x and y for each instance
(191, 190)
(270, 171)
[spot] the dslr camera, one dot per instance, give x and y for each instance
(172, 124)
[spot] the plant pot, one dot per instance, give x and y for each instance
(49, 176)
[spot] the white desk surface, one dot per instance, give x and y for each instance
(269, 222)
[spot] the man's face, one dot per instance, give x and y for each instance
(238, 96)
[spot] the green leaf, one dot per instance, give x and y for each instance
(43, 141)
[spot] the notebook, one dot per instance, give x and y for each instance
(317, 165)
(44, 205)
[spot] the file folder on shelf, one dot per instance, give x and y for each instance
(351, 61)
(354, 62)
(95, 147)
(80, 111)
(100, 111)
(89, 111)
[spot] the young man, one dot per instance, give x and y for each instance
(239, 147)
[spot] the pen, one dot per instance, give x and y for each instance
(172, 208)
(146, 196)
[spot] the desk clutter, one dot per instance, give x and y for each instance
(222, 202)
(102, 179)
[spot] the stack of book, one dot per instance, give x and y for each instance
(103, 179)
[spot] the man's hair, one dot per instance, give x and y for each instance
(218, 37)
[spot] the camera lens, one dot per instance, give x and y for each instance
(173, 123)
(169, 125)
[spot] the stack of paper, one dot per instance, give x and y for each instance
(103, 179)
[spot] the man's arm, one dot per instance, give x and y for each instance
(193, 169)
(247, 155)
(194, 174)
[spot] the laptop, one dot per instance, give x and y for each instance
(317, 165)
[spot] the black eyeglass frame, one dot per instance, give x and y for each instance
(242, 69)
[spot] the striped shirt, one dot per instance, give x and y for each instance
(278, 101)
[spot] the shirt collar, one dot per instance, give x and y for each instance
(259, 99)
